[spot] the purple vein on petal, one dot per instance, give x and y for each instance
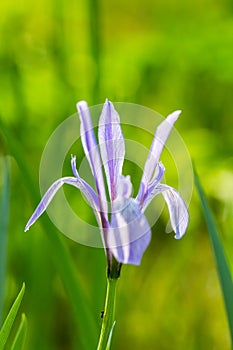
(112, 146)
(130, 233)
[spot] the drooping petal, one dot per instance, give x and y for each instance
(130, 233)
(178, 211)
(112, 146)
(48, 196)
(91, 150)
(177, 208)
(145, 196)
(158, 143)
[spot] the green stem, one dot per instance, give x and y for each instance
(108, 314)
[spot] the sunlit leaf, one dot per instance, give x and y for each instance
(19, 339)
(6, 328)
(220, 258)
(110, 337)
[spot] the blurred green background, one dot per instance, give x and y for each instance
(166, 55)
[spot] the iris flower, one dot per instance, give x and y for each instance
(124, 228)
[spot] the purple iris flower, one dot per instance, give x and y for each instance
(124, 228)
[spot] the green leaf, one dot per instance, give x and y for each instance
(20, 335)
(110, 336)
(220, 258)
(4, 219)
(6, 328)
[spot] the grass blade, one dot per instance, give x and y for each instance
(4, 218)
(6, 328)
(220, 258)
(110, 336)
(19, 339)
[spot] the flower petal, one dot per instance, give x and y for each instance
(124, 188)
(158, 143)
(130, 233)
(48, 196)
(177, 209)
(145, 196)
(84, 186)
(112, 146)
(92, 151)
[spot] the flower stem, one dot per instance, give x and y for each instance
(108, 314)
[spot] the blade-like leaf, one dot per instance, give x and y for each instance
(220, 258)
(4, 218)
(6, 328)
(19, 339)
(110, 337)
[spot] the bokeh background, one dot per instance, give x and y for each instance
(165, 55)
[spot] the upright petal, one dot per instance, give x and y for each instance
(112, 146)
(130, 233)
(92, 151)
(177, 208)
(145, 196)
(124, 188)
(158, 143)
(48, 196)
